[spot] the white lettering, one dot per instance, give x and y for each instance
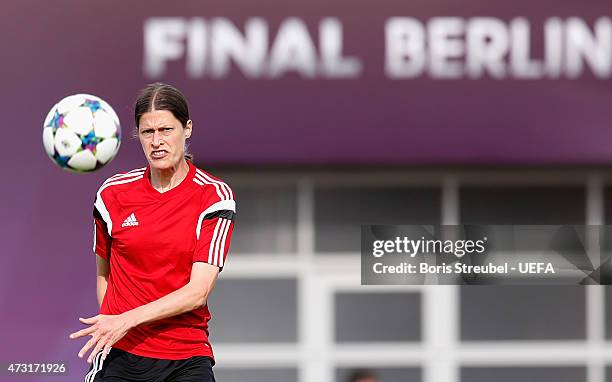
(487, 44)
(595, 50)
(553, 40)
(248, 51)
(405, 47)
(293, 50)
(163, 42)
(196, 47)
(521, 64)
(444, 45)
(332, 62)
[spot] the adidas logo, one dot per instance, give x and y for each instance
(130, 221)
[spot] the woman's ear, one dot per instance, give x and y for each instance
(188, 128)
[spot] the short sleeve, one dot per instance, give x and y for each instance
(101, 239)
(213, 235)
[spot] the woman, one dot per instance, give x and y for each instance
(162, 234)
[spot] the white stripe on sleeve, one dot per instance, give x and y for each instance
(218, 241)
(222, 248)
(213, 241)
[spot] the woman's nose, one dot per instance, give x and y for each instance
(156, 138)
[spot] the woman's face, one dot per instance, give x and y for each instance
(163, 138)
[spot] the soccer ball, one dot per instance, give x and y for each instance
(81, 133)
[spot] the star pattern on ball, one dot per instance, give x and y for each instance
(89, 138)
(93, 105)
(57, 121)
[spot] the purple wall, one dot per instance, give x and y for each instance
(56, 48)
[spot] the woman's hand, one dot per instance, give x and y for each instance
(105, 331)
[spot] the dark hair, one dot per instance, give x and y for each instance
(160, 96)
(361, 374)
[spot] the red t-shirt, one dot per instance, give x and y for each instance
(151, 240)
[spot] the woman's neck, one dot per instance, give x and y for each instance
(166, 179)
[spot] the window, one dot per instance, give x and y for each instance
(391, 317)
(254, 310)
(265, 220)
(340, 212)
(522, 205)
(523, 313)
(513, 374)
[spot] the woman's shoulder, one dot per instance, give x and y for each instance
(213, 185)
(122, 178)
(208, 175)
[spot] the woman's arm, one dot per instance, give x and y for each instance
(102, 272)
(106, 330)
(187, 298)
